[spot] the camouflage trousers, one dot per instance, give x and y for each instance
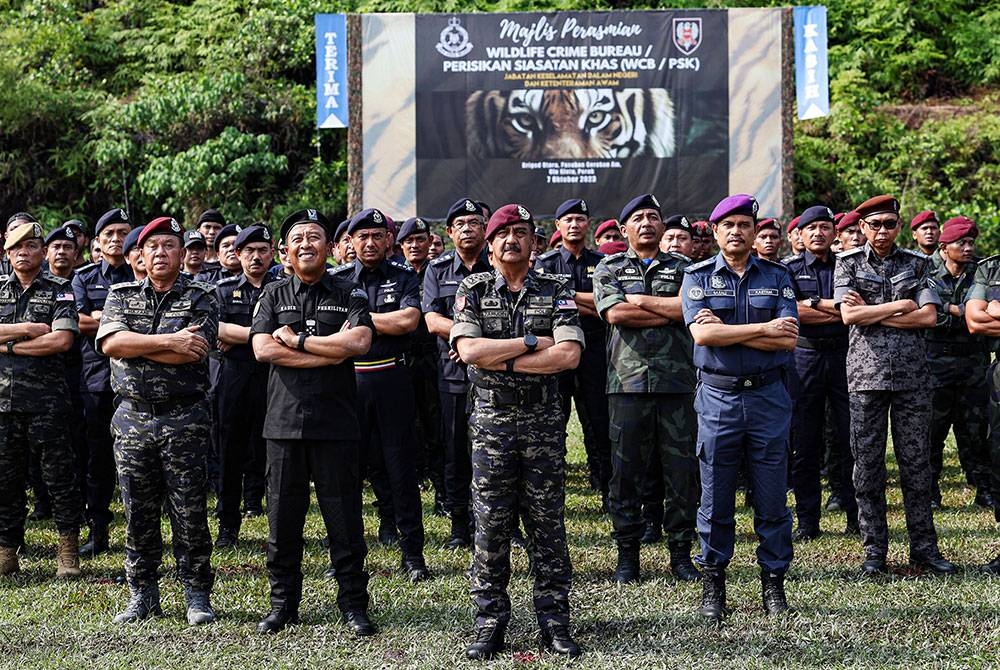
(646, 428)
(519, 464)
(46, 435)
(870, 413)
(161, 463)
(962, 408)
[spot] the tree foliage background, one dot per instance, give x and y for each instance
(175, 106)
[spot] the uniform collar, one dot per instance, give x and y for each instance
(872, 256)
(530, 281)
(810, 258)
(107, 268)
(359, 268)
(483, 258)
(753, 263)
(178, 287)
(299, 286)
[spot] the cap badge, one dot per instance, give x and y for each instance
(174, 226)
(469, 206)
(655, 201)
(376, 216)
(311, 213)
(265, 234)
(523, 213)
(123, 215)
(583, 206)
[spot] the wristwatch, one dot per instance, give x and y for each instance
(302, 341)
(10, 347)
(510, 364)
(530, 341)
(814, 301)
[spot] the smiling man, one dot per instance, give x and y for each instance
(742, 315)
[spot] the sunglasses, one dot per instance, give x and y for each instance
(876, 225)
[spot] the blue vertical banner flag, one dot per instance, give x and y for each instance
(331, 70)
(812, 80)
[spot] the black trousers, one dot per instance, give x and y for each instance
(587, 387)
(101, 476)
(457, 457)
(242, 403)
(333, 467)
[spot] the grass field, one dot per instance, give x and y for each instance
(841, 620)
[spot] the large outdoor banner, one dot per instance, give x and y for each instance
(536, 108)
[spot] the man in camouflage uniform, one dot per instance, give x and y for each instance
(38, 323)
(958, 362)
(885, 296)
(157, 333)
(651, 381)
(516, 329)
(982, 316)
(926, 231)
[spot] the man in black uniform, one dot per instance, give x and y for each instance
(414, 236)
(585, 385)
(229, 261)
(194, 252)
(210, 223)
(386, 414)
(466, 225)
(242, 391)
(821, 364)
(309, 327)
(90, 288)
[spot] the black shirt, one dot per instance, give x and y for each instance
(91, 284)
(580, 274)
(811, 277)
(237, 299)
(311, 403)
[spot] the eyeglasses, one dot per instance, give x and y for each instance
(888, 224)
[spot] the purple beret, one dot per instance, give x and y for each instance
(740, 203)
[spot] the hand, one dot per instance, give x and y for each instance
(286, 336)
(853, 299)
(453, 355)
(993, 309)
(706, 315)
(97, 314)
(346, 327)
(955, 310)
(786, 326)
(223, 347)
(33, 330)
(635, 299)
(188, 341)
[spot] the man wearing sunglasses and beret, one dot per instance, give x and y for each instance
(886, 297)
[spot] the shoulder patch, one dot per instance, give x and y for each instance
(443, 259)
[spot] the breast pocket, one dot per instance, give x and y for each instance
(387, 300)
(290, 318)
(808, 287)
(328, 323)
(175, 320)
(495, 322)
(8, 313)
(238, 315)
(538, 321)
(870, 290)
(723, 306)
(97, 295)
(763, 307)
(905, 289)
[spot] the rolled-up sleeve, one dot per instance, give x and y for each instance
(926, 294)
(692, 297)
(112, 319)
(608, 291)
(566, 317)
(467, 315)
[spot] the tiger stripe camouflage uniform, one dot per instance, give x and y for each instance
(518, 450)
(161, 430)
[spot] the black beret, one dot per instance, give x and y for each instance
(76, 223)
(464, 207)
(64, 234)
(367, 218)
(677, 221)
(304, 216)
(21, 216)
(211, 216)
(573, 206)
(111, 217)
(132, 239)
(230, 230)
(251, 234)
(644, 201)
(341, 229)
(412, 226)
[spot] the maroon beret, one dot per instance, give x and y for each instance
(793, 224)
(164, 225)
(615, 247)
(847, 220)
(768, 223)
(880, 204)
(922, 218)
(837, 217)
(556, 238)
(507, 215)
(701, 229)
(605, 227)
(957, 228)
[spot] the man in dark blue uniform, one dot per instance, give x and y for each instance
(90, 288)
(242, 391)
(821, 365)
(742, 315)
(229, 261)
(584, 385)
(309, 327)
(386, 413)
(466, 225)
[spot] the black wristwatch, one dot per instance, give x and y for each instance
(510, 364)
(10, 347)
(814, 301)
(302, 341)
(530, 341)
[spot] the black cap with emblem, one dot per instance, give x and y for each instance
(111, 217)
(258, 232)
(367, 218)
(464, 207)
(644, 201)
(412, 226)
(231, 230)
(573, 206)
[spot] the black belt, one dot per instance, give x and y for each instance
(955, 348)
(164, 406)
(528, 395)
(735, 384)
(823, 343)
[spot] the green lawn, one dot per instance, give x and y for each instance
(841, 620)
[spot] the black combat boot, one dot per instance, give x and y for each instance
(277, 619)
(713, 594)
(680, 561)
(556, 638)
(489, 641)
(460, 538)
(143, 603)
(97, 542)
(773, 592)
(627, 571)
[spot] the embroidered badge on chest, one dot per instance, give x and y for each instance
(718, 282)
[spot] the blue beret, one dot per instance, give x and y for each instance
(814, 214)
(735, 204)
(111, 217)
(367, 218)
(412, 226)
(464, 207)
(341, 229)
(211, 216)
(64, 234)
(573, 206)
(303, 216)
(255, 233)
(677, 221)
(230, 230)
(644, 201)
(132, 239)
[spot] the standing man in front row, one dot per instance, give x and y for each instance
(516, 330)
(309, 327)
(885, 296)
(157, 333)
(650, 389)
(741, 312)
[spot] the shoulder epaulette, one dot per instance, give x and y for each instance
(59, 281)
(918, 254)
(126, 284)
(549, 276)
(207, 287)
(479, 278)
(776, 264)
(788, 259)
(86, 268)
(700, 264)
(340, 269)
(228, 280)
(679, 256)
(548, 254)
(850, 252)
(989, 259)
(443, 259)
(400, 266)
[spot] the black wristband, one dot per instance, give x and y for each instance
(510, 364)
(302, 341)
